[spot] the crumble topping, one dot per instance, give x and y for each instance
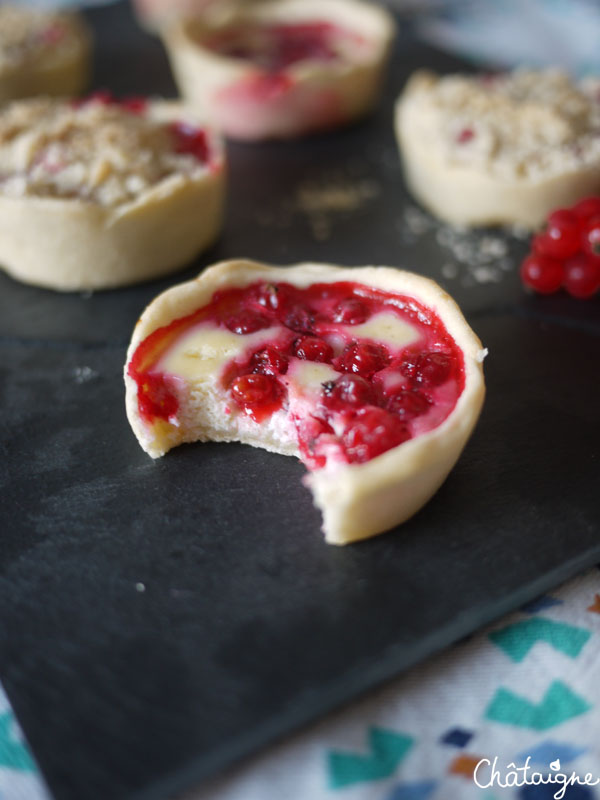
(26, 33)
(97, 151)
(526, 123)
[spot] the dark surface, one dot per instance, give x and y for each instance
(249, 625)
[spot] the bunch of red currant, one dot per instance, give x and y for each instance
(567, 252)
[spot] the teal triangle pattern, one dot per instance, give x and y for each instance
(558, 705)
(13, 753)
(387, 750)
(516, 640)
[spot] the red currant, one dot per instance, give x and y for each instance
(254, 389)
(347, 391)
(590, 237)
(543, 274)
(582, 276)
(363, 358)
(408, 403)
(587, 208)
(269, 361)
(300, 319)
(351, 312)
(272, 296)
(427, 369)
(561, 237)
(310, 430)
(371, 432)
(246, 321)
(311, 348)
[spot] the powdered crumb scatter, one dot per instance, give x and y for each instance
(478, 256)
(321, 201)
(84, 374)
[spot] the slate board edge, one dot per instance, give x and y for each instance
(304, 713)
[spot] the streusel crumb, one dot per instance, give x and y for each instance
(95, 151)
(525, 123)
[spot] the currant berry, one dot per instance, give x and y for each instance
(590, 237)
(300, 319)
(582, 276)
(543, 274)
(246, 321)
(561, 238)
(587, 208)
(347, 391)
(310, 430)
(427, 369)
(371, 432)
(269, 361)
(254, 390)
(311, 348)
(408, 403)
(272, 296)
(351, 312)
(363, 358)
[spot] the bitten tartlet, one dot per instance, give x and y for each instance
(42, 53)
(500, 148)
(370, 375)
(282, 68)
(101, 193)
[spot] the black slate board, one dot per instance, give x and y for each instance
(249, 626)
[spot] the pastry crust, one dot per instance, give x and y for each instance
(499, 150)
(156, 14)
(307, 95)
(357, 500)
(131, 224)
(42, 53)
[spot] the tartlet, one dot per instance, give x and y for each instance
(505, 148)
(42, 53)
(101, 193)
(370, 375)
(281, 68)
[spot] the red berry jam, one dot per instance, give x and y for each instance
(275, 48)
(366, 396)
(187, 139)
(566, 253)
(465, 135)
(190, 140)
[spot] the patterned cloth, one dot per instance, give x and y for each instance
(526, 691)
